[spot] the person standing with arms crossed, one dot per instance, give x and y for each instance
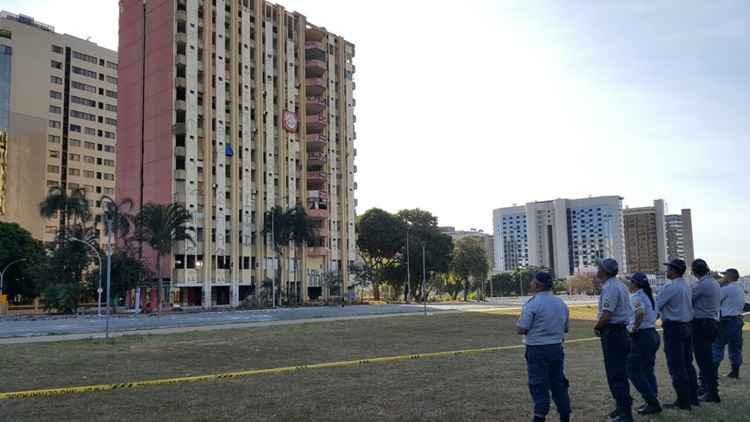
(675, 306)
(614, 312)
(644, 343)
(730, 325)
(543, 323)
(706, 303)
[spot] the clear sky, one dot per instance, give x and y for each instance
(467, 106)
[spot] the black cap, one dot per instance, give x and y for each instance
(700, 266)
(544, 278)
(639, 279)
(677, 264)
(732, 272)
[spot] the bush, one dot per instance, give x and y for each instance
(63, 298)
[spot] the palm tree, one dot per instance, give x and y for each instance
(161, 226)
(73, 204)
(287, 226)
(118, 213)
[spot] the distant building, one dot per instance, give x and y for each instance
(564, 235)
(680, 236)
(58, 120)
(646, 238)
(488, 242)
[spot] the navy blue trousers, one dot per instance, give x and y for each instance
(546, 368)
(643, 347)
(678, 349)
(730, 334)
(616, 347)
(705, 333)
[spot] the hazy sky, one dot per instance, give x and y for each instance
(463, 107)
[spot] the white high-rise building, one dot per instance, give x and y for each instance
(563, 235)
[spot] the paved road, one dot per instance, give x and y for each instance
(11, 327)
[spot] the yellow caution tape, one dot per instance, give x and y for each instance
(255, 372)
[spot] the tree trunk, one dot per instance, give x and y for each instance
(376, 291)
(159, 282)
(466, 290)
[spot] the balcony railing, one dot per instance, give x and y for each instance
(317, 214)
(314, 44)
(318, 251)
(317, 157)
(316, 176)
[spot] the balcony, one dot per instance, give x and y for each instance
(181, 38)
(318, 251)
(180, 83)
(180, 105)
(315, 105)
(315, 86)
(314, 44)
(180, 60)
(316, 142)
(316, 123)
(316, 177)
(315, 68)
(317, 214)
(179, 129)
(317, 158)
(181, 16)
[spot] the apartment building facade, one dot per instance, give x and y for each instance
(487, 240)
(233, 107)
(563, 235)
(646, 238)
(680, 236)
(58, 118)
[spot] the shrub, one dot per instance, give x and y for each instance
(63, 298)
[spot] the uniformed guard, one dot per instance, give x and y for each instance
(730, 325)
(675, 307)
(614, 312)
(644, 343)
(706, 303)
(544, 322)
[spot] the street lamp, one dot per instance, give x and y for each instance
(99, 257)
(2, 273)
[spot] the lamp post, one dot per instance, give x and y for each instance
(109, 271)
(2, 273)
(99, 257)
(408, 264)
(424, 292)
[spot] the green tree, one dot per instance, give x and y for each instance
(17, 243)
(522, 277)
(503, 284)
(161, 226)
(422, 230)
(119, 213)
(66, 205)
(469, 262)
(380, 238)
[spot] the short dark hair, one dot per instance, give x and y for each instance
(680, 271)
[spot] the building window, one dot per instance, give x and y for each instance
(54, 124)
(56, 65)
(75, 157)
(108, 191)
(57, 95)
(55, 109)
(109, 148)
(53, 139)
(110, 121)
(111, 94)
(54, 154)
(89, 145)
(88, 173)
(110, 107)
(109, 176)
(82, 101)
(111, 65)
(53, 169)
(109, 135)
(83, 116)
(89, 159)
(56, 80)
(90, 131)
(85, 57)
(84, 72)
(109, 163)
(83, 86)
(57, 49)
(74, 172)
(111, 79)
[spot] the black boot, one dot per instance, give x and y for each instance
(735, 372)
(650, 409)
(539, 418)
(711, 397)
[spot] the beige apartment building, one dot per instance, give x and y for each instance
(58, 116)
(646, 238)
(233, 107)
(680, 236)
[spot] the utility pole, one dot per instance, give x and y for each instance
(408, 266)
(99, 257)
(109, 270)
(273, 259)
(424, 285)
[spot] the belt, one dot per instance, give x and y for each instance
(729, 318)
(674, 323)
